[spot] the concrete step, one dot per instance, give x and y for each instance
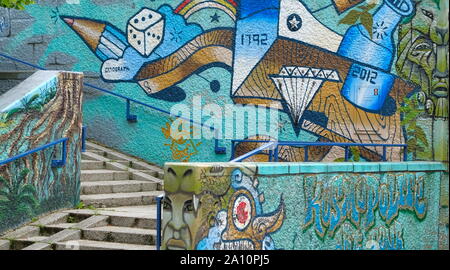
(121, 199)
(143, 216)
(100, 245)
(127, 166)
(104, 175)
(88, 156)
(121, 235)
(135, 163)
(51, 229)
(124, 186)
(18, 244)
(92, 165)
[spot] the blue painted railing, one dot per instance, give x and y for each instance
(158, 220)
(83, 139)
(274, 145)
(55, 163)
(131, 117)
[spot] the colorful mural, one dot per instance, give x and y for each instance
(217, 208)
(31, 186)
(351, 71)
(223, 206)
(337, 70)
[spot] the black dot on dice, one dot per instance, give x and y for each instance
(134, 36)
(148, 34)
(150, 16)
(136, 20)
(153, 35)
(158, 37)
(131, 30)
(139, 42)
(143, 18)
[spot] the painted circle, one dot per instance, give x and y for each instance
(294, 22)
(429, 106)
(215, 86)
(242, 212)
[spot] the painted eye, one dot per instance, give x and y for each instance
(188, 206)
(427, 13)
(171, 171)
(187, 173)
(167, 205)
(423, 47)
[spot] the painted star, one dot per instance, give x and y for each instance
(215, 17)
(294, 23)
(379, 30)
(176, 35)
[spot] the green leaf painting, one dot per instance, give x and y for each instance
(363, 16)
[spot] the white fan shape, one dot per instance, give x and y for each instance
(298, 86)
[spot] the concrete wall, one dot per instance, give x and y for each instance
(235, 52)
(10, 79)
(304, 206)
(42, 109)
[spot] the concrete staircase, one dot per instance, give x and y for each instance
(111, 179)
(118, 210)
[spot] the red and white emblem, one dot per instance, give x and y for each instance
(242, 212)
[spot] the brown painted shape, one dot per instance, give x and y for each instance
(208, 48)
(200, 58)
(90, 31)
(346, 122)
(343, 5)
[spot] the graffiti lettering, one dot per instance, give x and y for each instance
(116, 69)
(329, 203)
(235, 245)
(3, 24)
(382, 238)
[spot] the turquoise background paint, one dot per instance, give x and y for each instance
(147, 140)
(418, 233)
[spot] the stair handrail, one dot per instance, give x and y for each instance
(273, 153)
(130, 117)
(55, 163)
(159, 199)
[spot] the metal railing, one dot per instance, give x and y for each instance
(83, 139)
(55, 163)
(132, 117)
(158, 220)
(273, 147)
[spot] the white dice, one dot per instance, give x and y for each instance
(145, 31)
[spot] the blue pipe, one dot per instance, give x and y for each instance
(55, 163)
(254, 152)
(158, 221)
(130, 117)
(305, 145)
(83, 139)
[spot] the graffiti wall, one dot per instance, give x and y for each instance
(44, 108)
(360, 206)
(373, 71)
